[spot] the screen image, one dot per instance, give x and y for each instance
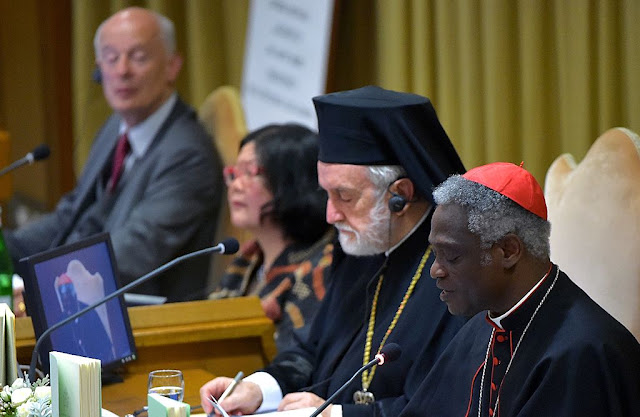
(67, 280)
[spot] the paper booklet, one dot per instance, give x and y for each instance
(9, 365)
(160, 406)
(75, 386)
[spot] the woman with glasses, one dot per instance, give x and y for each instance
(273, 193)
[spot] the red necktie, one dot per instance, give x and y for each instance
(122, 149)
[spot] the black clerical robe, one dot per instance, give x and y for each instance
(574, 360)
(334, 350)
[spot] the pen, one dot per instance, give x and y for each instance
(217, 406)
(231, 386)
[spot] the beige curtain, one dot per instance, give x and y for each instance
(512, 80)
(516, 80)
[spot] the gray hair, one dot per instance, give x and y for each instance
(383, 175)
(167, 33)
(493, 215)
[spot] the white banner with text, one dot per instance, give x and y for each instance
(286, 59)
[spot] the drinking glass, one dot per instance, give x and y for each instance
(168, 383)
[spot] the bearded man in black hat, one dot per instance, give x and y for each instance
(381, 154)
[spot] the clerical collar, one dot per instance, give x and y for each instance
(141, 135)
(498, 320)
(424, 217)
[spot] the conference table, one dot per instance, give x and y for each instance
(201, 338)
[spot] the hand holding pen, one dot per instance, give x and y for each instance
(231, 386)
(216, 403)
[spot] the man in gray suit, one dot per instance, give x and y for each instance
(153, 178)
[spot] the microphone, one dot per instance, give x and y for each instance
(228, 246)
(38, 153)
(389, 353)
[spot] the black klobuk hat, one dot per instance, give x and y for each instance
(374, 126)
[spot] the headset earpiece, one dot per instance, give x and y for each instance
(396, 202)
(96, 75)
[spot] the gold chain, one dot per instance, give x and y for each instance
(367, 376)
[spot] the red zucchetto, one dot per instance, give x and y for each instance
(513, 182)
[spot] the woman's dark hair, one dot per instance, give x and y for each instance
(288, 154)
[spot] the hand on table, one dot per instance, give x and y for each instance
(298, 400)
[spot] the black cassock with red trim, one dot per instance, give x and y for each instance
(575, 360)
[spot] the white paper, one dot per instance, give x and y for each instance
(302, 412)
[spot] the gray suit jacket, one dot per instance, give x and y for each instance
(166, 207)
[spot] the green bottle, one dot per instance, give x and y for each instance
(6, 271)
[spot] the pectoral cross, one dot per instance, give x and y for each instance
(363, 397)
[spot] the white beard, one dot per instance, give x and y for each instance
(374, 239)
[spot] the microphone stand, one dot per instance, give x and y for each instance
(39, 153)
(16, 164)
(34, 356)
(324, 405)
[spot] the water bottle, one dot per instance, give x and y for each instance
(6, 271)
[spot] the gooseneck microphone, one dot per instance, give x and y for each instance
(389, 353)
(38, 153)
(228, 246)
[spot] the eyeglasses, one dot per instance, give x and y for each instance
(232, 172)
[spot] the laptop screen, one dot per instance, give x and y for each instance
(65, 280)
